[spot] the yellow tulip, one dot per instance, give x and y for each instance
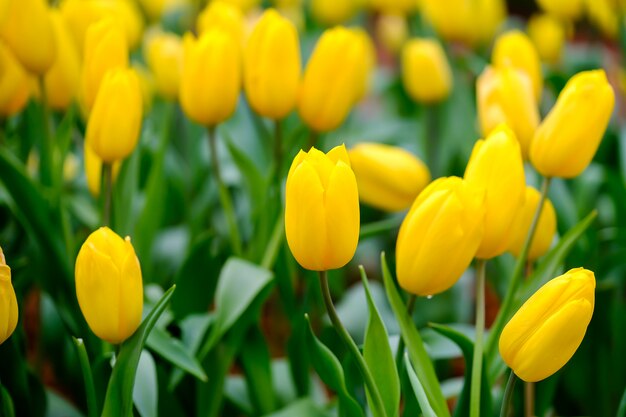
(515, 48)
(155, 9)
(392, 30)
(489, 15)
(115, 122)
(246, 6)
(564, 9)
(109, 285)
(211, 78)
(548, 35)
(504, 95)
(333, 12)
(368, 63)
(496, 167)
(93, 170)
(27, 30)
(272, 66)
(61, 80)
(402, 7)
(426, 74)
(105, 49)
(439, 236)
(222, 15)
(322, 209)
(546, 228)
(605, 15)
(164, 56)
(15, 86)
(546, 331)
(388, 177)
(569, 136)
(8, 302)
(333, 79)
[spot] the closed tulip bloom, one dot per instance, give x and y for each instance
(109, 285)
(504, 95)
(164, 56)
(548, 36)
(392, 30)
(395, 6)
(439, 236)
(27, 30)
(569, 136)
(331, 81)
(546, 228)
(8, 302)
(105, 48)
(272, 66)
(322, 209)
(220, 14)
(546, 331)
(93, 170)
(515, 48)
(451, 19)
(564, 9)
(605, 15)
(333, 12)
(115, 122)
(211, 77)
(15, 86)
(496, 167)
(388, 177)
(368, 63)
(426, 74)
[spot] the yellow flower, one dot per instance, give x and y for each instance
(504, 95)
(211, 78)
(496, 167)
(388, 177)
(426, 74)
(567, 139)
(115, 122)
(109, 285)
(61, 80)
(15, 86)
(164, 56)
(333, 12)
(222, 15)
(564, 9)
(400, 7)
(155, 9)
(548, 36)
(27, 30)
(368, 63)
(93, 170)
(515, 48)
(392, 30)
(105, 49)
(333, 79)
(272, 66)
(246, 6)
(604, 14)
(546, 228)
(322, 209)
(439, 236)
(546, 331)
(8, 302)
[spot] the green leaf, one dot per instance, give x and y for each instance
(145, 390)
(418, 389)
(119, 396)
(256, 361)
(175, 352)
(330, 371)
(378, 356)
(301, 408)
(6, 404)
(419, 358)
(621, 412)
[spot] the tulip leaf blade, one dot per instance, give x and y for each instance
(378, 356)
(621, 412)
(119, 395)
(422, 364)
(175, 352)
(6, 403)
(146, 389)
(418, 389)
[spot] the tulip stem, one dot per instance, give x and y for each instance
(477, 360)
(508, 395)
(529, 399)
(313, 138)
(227, 204)
(107, 181)
(518, 271)
(90, 390)
(377, 402)
(400, 351)
(278, 149)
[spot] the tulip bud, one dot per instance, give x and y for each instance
(388, 177)
(105, 49)
(164, 56)
(15, 87)
(548, 36)
(564, 9)
(109, 285)
(333, 12)
(115, 122)
(569, 136)
(332, 81)
(222, 15)
(322, 209)
(496, 167)
(504, 95)
(211, 77)
(546, 228)
(272, 66)
(439, 236)
(93, 170)
(245, 6)
(426, 74)
(401, 7)
(546, 331)
(605, 15)
(61, 80)
(392, 30)
(368, 50)
(515, 48)
(8, 302)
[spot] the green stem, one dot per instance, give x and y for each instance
(313, 139)
(379, 227)
(509, 298)
(529, 399)
(45, 158)
(273, 246)
(508, 395)
(400, 352)
(377, 401)
(431, 135)
(278, 149)
(477, 360)
(227, 204)
(90, 390)
(107, 188)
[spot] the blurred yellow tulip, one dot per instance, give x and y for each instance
(392, 30)
(164, 56)
(333, 12)
(564, 9)
(605, 15)
(548, 36)
(8, 301)
(155, 9)
(368, 65)
(219, 14)
(426, 74)
(246, 6)
(93, 170)
(402, 7)
(15, 86)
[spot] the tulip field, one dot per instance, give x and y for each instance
(312, 208)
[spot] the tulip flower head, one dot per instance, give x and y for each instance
(8, 302)
(564, 9)
(548, 34)
(333, 12)
(219, 14)
(546, 331)
(426, 74)
(322, 209)
(164, 56)
(15, 86)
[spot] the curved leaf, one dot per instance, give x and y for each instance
(146, 389)
(418, 389)
(175, 352)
